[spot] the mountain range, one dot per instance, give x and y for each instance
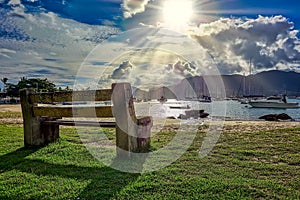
(265, 83)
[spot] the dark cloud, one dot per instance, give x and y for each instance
(122, 70)
(266, 41)
(182, 68)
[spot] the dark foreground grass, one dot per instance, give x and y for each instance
(259, 165)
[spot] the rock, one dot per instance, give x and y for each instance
(283, 116)
(171, 117)
(203, 115)
(182, 116)
(269, 117)
(276, 117)
(193, 114)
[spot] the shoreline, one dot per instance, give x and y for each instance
(228, 124)
(10, 108)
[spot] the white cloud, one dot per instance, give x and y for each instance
(37, 42)
(6, 52)
(132, 7)
(269, 42)
(14, 2)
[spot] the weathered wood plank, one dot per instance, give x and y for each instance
(69, 96)
(82, 123)
(73, 111)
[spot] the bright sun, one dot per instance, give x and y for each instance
(177, 13)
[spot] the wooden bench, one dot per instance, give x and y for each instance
(43, 113)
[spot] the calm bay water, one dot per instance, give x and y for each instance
(230, 110)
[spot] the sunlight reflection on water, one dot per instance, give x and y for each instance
(234, 110)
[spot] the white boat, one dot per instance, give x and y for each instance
(204, 99)
(273, 102)
(243, 101)
(179, 106)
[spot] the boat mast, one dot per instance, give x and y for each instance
(250, 72)
(244, 85)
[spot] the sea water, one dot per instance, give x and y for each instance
(226, 109)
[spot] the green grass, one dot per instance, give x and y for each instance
(257, 165)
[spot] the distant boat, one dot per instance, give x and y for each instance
(179, 106)
(162, 99)
(206, 99)
(190, 95)
(243, 100)
(273, 102)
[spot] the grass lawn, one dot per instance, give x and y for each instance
(249, 165)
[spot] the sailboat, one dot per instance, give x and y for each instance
(273, 102)
(192, 96)
(247, 96)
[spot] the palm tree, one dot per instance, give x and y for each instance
(4, 80)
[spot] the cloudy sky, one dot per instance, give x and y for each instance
(54, 38)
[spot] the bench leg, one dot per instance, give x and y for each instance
(139, 141)
(50, 131)
(33, 136)
(144, 134)
(38, 134)
(122, 141)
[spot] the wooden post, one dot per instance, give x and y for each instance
(32, 125)
(124, 114)
(132, 134)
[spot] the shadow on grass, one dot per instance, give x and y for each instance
(12, 159)
(105, 182)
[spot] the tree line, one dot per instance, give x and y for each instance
(36, 84)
